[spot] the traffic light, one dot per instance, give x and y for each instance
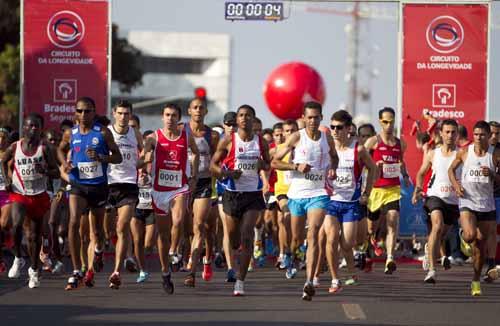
(200, 92)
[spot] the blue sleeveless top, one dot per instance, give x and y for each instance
(86, 171)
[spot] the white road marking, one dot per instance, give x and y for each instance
(353, 311)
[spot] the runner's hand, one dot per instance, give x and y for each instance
(332, 174)
(92, 154)
(303, 168)
(363, 200)
(485, 171)
(459, 191)
(417, 195)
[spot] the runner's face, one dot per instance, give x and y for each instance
(133, 124)
(339, 130)
(312, 118)
(481, 137)
(244, 119)
(387, 123)
(495, 136)
(197, 110)
(32, 128)
(364, 134)
(122, 116)
(257, 127)
(449, 134)
(170, 118)
(288, 130)
(53, 139)
(229, 127)
(278, 136)
(85, 114)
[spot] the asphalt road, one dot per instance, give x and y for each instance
(399, 299)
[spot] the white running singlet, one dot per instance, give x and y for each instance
(440, 185)
(26, 180)
(204, 150)
(126, 171)
(347, 184)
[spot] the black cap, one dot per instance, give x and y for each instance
(230, 117)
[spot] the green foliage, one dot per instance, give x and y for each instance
(126, 63)
(9, 76)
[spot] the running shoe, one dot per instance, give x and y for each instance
(302, 265)
(98, 261)
(475, 288)
(257, 252)
(425, 260)
(74, 281)
(143, 277)
(130, 265)
(58, 267)
(316, 282)
(287, 261)
(207, 273)
(390, 267)
(308, 292)
(89, 279)
(465, 247)
(46, 261)
(445, 262)
(115, 281)
(231, 276)
(34, 281)
(430, 277)
(353, 280)
(168, 286)
(491, 274)
(3, 266)
(343, 263)
(189, 280)
(219, 260)
(278, 262)
(251, 266)
(377, 250)
(457, 261)
(291, 272)
(176, 261)
(335, 287)
(239, 290)
(84, 269)
(15, 269)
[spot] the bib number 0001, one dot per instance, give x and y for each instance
(170, 178)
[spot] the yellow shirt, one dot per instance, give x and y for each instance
(283, 177)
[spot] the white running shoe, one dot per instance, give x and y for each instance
(17, 265)
(239, 289)
(316, 282)
(34, 282)
(343, 263)
(58, 267)
(430, 277)
(425, 260)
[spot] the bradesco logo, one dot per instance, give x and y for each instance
(65, 29)
(445, 34)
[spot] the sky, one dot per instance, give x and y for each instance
(316, 38)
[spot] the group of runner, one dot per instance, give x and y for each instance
(208, 195)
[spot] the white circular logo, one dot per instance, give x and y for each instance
(445, 34)
(65, 29)
(95, 141)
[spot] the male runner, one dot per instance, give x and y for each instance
(441, 203)
(92, 148)
(475, 200)
(167, 150)
(387, 152)
(33, 164)
(343, 211)
(243, 155)
(122, 182)
(314, 159)
(206, 140)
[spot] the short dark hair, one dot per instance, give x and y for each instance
(369, 126)
(102, 120)
(386, 109)
(86, 100)
(249, 108)
(278, 125)
(123, 104)
(257, 120)
(173, 106)
(35, 116)
(66, 123)
(481, 124)
(494, 124)
(267, 131)
(136, 119)
(449, 122)
(147, 133)
(291, 122)
(342, 116)
(462, 131)
(313, 105)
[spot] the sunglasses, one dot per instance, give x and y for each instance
(386, 122)
(337, 127)
(80, 111)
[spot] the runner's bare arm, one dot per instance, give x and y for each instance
(265, 163)
(419, 180)
(404, 171)
(223, 148)
(196, 157)
(460, 158)
(334, 158)
(52, 168)
(370, 143)
(116, 156)
(367, 161)
(62, 150)
(146, 156)
(287, 147)
(214, 140)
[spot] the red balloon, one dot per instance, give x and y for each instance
(291, 85)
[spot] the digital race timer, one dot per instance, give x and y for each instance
(254, 10)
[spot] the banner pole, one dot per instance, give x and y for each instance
(400, 72)
(488, 54)
(110, 55)
(21, 70)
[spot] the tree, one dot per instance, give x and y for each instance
(126, 62)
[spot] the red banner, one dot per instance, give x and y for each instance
(65, 56)
(444, 67)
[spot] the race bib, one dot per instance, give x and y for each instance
(446, 189)
(247, 166)
(170, 178)
(343, 179)
(145, 196)
(204, 163)
(89, 170)
(476, 176)
(128, 156)
(316, 178)
(390, 171)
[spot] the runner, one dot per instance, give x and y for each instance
(92, 148)
(475, 200)
(167, 150)
(314, 159)
(122, 182)
(206, 140)
(343, 211)
(33, 164)
(242, 154)
(441, 202)
(5, 204)
(387, 152)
